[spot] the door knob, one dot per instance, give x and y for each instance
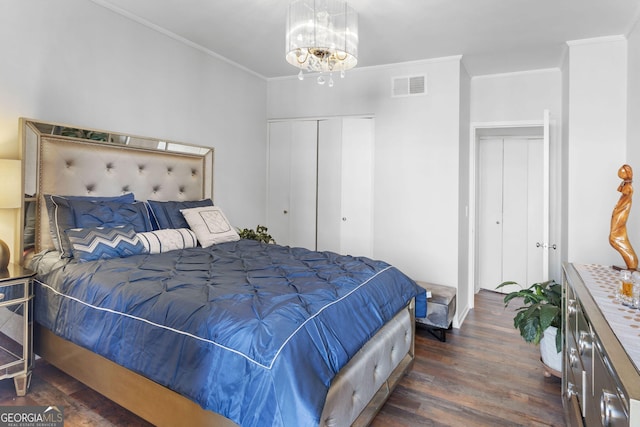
(545, 245)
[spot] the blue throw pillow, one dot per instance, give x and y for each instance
(168, 215)
(110, 214)
(62, 218)
(90, 244)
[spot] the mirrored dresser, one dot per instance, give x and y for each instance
(601, 350)
(16, 326)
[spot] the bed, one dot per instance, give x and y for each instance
(236, 333)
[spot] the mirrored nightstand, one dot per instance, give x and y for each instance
(16, 326)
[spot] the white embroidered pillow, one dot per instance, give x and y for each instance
(210, 225)
(170, 239)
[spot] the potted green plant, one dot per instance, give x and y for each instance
(539, 319)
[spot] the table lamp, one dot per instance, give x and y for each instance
(10, 198)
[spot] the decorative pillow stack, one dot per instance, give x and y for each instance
(94, 228)
(67, 212)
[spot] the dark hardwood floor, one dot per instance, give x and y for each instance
(484, 375)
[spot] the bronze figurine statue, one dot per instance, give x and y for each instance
(618, 235)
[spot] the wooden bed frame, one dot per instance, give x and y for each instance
(77, 166)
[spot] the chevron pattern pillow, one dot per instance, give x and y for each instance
(90, 244)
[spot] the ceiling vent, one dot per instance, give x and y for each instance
(408, 86)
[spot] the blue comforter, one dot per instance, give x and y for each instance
(254, 332)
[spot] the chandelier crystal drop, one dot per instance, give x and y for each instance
(322, 37)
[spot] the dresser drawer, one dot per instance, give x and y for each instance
(14, 292)
(611, 408)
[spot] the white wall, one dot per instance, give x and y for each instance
(416, 157)
(564, 170)
(465, 290)
(597, 104)
(515, 97)
(74, 62)
(633, 130)
(522, 97)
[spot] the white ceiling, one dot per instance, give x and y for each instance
(493, 36)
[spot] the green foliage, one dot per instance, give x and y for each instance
(84, 134)
(260, 234)
(542, 308)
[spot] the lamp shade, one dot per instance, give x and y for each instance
(10, 183)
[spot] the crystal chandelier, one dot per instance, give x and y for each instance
(322, 37)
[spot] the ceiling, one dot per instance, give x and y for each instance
(493, 36)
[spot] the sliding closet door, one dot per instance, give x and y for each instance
(291, 186)
(345, 186)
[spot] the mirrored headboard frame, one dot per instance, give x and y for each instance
(68, 160)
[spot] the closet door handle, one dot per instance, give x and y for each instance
(285, 212)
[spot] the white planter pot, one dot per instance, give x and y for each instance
(550, 356)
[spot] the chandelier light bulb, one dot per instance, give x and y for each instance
(300, 75)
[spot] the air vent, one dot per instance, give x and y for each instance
(408, 86)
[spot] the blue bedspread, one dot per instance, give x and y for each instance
(254, 332)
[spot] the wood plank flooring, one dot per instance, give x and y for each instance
(484, 375)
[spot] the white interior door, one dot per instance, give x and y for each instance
(329, 185)
(356, 234)
(303, 182)
(522, 211)
(489, 228)
(278, 177)
(511, 211)
(291, 200)
(345, 186)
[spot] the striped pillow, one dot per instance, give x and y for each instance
(90, 244)
(170, 239)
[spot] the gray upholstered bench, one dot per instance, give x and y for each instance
(441, 306)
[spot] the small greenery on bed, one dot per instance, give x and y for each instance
(260, 234)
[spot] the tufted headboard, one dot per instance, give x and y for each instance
(70, 166)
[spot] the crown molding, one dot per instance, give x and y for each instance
(105, 4)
